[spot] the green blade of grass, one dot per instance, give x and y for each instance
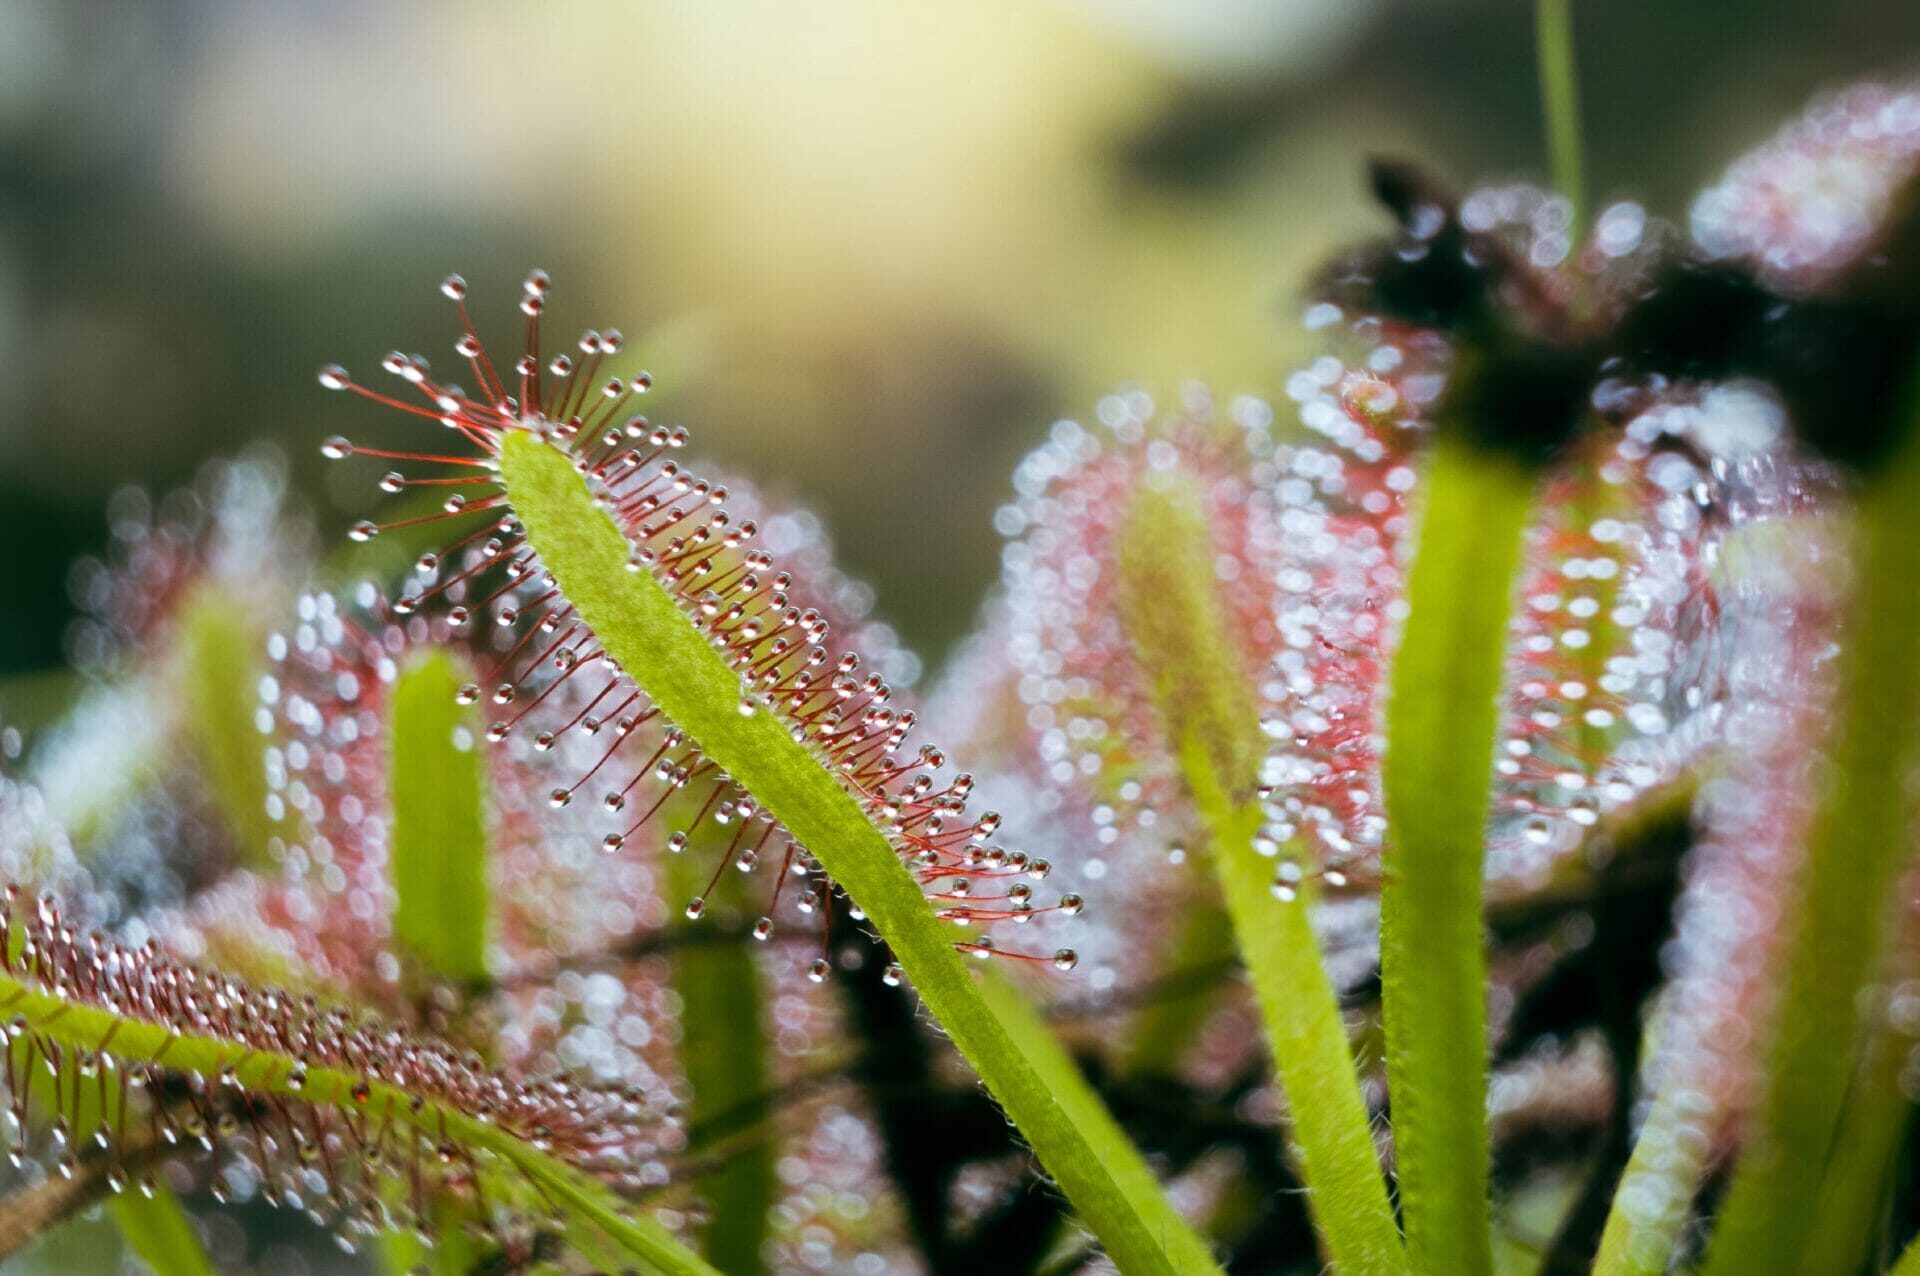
(1442, 717)
(1861, 829)
(1209, 708)
(642, 627)
(439, 855)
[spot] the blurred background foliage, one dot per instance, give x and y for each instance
(867, 248)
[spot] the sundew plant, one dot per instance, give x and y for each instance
(1452, 814)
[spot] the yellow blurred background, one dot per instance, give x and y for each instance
(868, 248)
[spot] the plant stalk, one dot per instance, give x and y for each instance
(643, 628)
(1560, 107)
(1442, 719)
(1209, 710)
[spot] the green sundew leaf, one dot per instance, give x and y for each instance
(1860, 833)
(439, 831)
(439, 859)
(1180, 636)
(723, 1046)
(219, 647)
(159, 1232)
(1442, 716)
(640, 625)
(1656, 1189)
(151, 1221)
(80, 1026)
(1075, 1098)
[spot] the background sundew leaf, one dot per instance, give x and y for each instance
(1778, 598)
(83, 1030)
(1442, 721)
(1180, 636)
(220, 650)
(1860, 834)
(158, 1230)
(439, 835)
(440, 897)
(149, 1217)
(642, 627)
(1165, 561)
(723, 1048)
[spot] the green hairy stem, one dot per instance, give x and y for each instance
(640, 625)
(1181, 638)
(1442, 719)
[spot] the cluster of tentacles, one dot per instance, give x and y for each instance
(329, 1111)
(553, 677)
